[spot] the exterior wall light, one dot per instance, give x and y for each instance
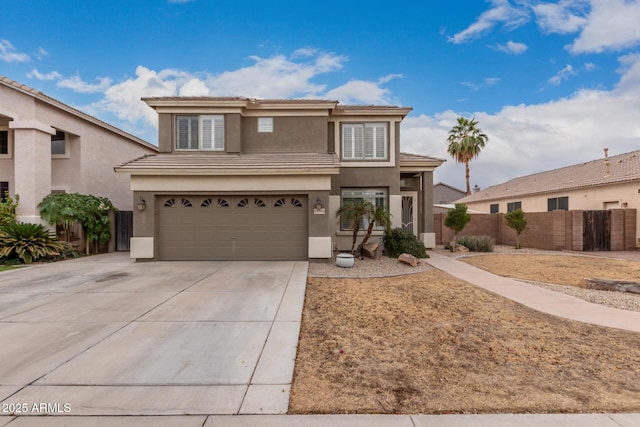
(318, 209)
(318, 204)
(141, 205)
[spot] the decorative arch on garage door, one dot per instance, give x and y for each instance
(238, 227)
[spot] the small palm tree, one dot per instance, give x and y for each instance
(355, 211)
(465, 143)
(381, 216)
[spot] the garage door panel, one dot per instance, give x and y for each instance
(248, 227)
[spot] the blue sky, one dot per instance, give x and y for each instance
(552, 83)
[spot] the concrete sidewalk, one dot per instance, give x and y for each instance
(538, 298)
(489, 420)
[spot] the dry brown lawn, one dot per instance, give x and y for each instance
(430, 343)
(558, 269)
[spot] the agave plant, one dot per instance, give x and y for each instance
(29, 242)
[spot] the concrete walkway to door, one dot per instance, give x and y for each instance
(105, 336)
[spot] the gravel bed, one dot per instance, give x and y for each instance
(383, 267)
(388, 267)
(621, 300)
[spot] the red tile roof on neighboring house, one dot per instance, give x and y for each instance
(606, 171)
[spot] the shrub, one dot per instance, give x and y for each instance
(477, 243)
(517, 221)
(29, 242)
(8, 208)
(456, 220)
(399, 241)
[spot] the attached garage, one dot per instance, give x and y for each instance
(232, 227)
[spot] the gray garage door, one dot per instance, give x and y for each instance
(232, 227)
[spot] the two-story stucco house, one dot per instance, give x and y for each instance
(240, 178)
(47, 146)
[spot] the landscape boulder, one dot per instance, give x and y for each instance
(610, 285)
(372, 250)
(409, 259)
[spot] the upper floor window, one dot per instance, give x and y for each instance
(200, 133)
(58, 143)
(364, 141)
(514, 206)
(558, 203)
(4, 142)
(265, 124)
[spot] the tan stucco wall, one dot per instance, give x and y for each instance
(290, 135)
(592, 198)
(93, 153)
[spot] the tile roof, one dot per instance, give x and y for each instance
(233, 164)
(621, 168)
(54, 102)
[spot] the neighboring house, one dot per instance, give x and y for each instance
(47, 146)
(240, 178)
(444, 196)
(603, 184)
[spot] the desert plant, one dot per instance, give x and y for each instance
(91, 212)
(8, 208)
(477, 243)
(456, 220)
(516, 220)
(355, 212)
(399, 241)
(29, 242)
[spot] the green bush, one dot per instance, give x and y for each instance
(30, 242)
(477, 243)
(399, 241)
(8, 208)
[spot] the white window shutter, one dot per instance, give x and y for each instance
(347, 142)
(206, 133)
(218, 133)
(369, 142)
(380, 145)
(358, 138)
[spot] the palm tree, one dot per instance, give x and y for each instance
(354, 211)
(381, 216)
(465, 143)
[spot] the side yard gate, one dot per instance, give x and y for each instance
(124, 229)
(596, 231)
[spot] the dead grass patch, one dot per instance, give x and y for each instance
(558, 269)
(429, 343)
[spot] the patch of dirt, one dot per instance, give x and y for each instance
(429, 343)
(561, 270)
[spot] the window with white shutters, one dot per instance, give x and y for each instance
(376, 196)
(364, 141)
(200, 133)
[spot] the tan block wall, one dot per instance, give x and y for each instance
(557, 230)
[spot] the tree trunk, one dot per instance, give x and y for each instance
(466, 169)
(366, 238)
(356, 229)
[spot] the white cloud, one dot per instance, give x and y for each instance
(76, 84)
(273, 77)
(194, 87)
(513, 48)
(589, 66)
(35, 74)
(611, 25)
(41, 53)
(8, 53)
(564, 17)
(487, 82)
(525, 139)
(502, 12)
(561, 75)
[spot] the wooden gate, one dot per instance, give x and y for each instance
(124, 229)
(596, 234)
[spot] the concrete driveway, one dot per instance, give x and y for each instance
(105, 336)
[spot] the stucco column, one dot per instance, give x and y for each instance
(427, 232)
(32, 160)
